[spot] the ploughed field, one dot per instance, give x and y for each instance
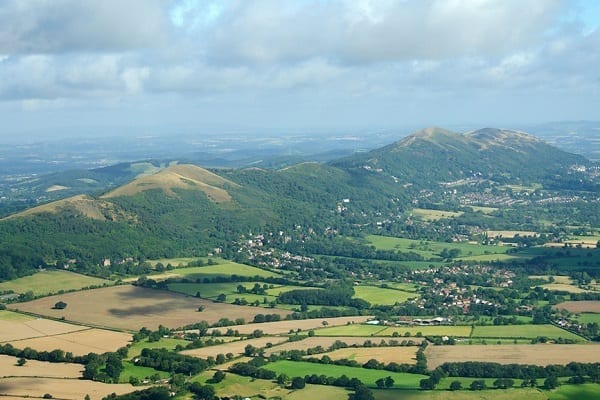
(131, 308)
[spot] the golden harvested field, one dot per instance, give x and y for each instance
(79, 343)
(279, 327)
(131, 308)
(9, 368)
(323, 341)
(236, 347)
(67, 389)
(580, 306)
(537, 354)
(15, 326)
(406, 355)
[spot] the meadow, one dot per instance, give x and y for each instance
(507, 394)
(52, 281)
(367, 376)
(434, 215)
(382, 296)
(523, 331)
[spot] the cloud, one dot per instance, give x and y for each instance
(57, 26)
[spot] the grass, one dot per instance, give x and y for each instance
(381, 296)
(442, 330)
(434, 215)
(587, 318)
(432, 250)
(13, 316)
(240, 385)
(367, 376)
(164, 343)
(507, 394)
(523, 331)
(588, 391)
(224, 268)
(175, 262)
(52, 281)
(350, 330)
(132, 370)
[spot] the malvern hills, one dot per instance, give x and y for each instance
(183, 209)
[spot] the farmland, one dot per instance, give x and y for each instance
(280, 327)
(400, 355)
(434, 215)
(376, 295)
(235, 347)
(538, 354)
(442, 330)
(80, 342)
(322, 341)
(351, 330)
(131, 308)
(367, 376)
(592, 306)
(52, 281)
(69, 389)
(523, 331)
(507, 394)
(14, 326)
(9, 368)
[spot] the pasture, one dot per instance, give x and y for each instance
(441, 330)
(79, 343)
(507, 394)
(382, 296)
(591, 306)
(510, 234)
(212, 290)
(131, 308)
(244, 386)
(432, 250)
(367, 376)
(587, 318)
(8, 367)
(523, 331)
(400, 355)
(429, 215)
(285, 326)
(223, 268)
(588, 391)
(537, 354)
(235, 347)
(52, 281)
(66, 389)
(164, 343)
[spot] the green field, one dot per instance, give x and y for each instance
(223, 268)
(176, 262)
(164, 343)
(523, 331)
(52, 281)
(13, 316)
(588, 391)
(367, 376)
(434, 215)
(507, 394)
(587, 318)
(129, 370)
(441, 330)
(432, 250)
(381, 296)
(350, 330)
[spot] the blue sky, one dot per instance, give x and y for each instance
(71, 67)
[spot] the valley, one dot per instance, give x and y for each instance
(440, 266)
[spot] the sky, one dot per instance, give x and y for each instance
(175, 67)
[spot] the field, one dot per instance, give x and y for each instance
(523, 331)
(377, 295)
(14, 326)
(507, 394)
(386, 355)
(67, 389)
(9, 368)
(139, 372)
(441, 330)
(212, 290)
(236, 347)
(587, 318)
(510, 234)
(351, 330)
(588, 391)
(222, 268)
(131, 308)
(281, 327)
(592, 306)
(367, 376)
(538, 354)
(429, 249)
(434, 215)
(323, 341)
(164, 343)
(79, 343)
(47, 282)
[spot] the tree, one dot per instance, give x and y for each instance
(61, 305)
(380, 382)
(427, 384)
(202, 392)
(455, 385)
(218, 377)
(551, 382)
(478, 385)
(21, 361)
(221, 298)
(389, 382)
(298, 383)
(362, 393)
